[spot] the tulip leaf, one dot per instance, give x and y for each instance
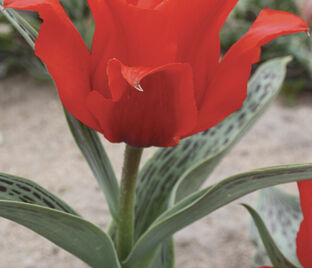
(13, 188)
(203, 202)
(162, 256)
(166, 259)
(282, 215)
(276, 256)
(93, 151)
(20, 24)
(72, 233)
(186, 166)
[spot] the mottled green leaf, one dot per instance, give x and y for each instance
(282, 215)
(276, 256)
(203, 202)
(72, 233)
(193, 160)
(93, 151)
(13, 188)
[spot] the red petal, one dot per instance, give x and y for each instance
(108, 42)
(304, 236)
(228, 90)
(138, 37)
(159, 115)
(62, 49)
(198, 23)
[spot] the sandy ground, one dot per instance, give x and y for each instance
(35, 143)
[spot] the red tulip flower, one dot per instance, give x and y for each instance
(154, 74)
(304, 236)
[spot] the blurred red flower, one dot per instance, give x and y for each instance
(304, 236)
(153, 75)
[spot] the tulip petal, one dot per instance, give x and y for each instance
(149, 107)
(108, 42)
(198, 23)
(65, 54)
(138, 37)
(304, 236)
(228, 89)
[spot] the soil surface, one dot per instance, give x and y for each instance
(35, 143)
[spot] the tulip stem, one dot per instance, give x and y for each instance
(125, 228)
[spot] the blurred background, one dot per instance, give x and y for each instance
(35, 143)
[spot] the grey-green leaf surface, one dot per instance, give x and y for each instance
(167, 258)
(276, 256)
(93, 151)
(72, 233)
(205, 201)
(281, 213)
(162, 256)
(193, 160)
(21, 25)
(13, 188)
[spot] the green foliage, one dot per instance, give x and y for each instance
(91, 147)
(29, 204)
(72, 233)
(276, 256)
(13, 188)
(282, 215)
(205, 201)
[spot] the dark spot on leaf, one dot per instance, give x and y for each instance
(205, 132)
(28, 198)
(226, 141)
(186, 144)
(229, 129)
(168, 151)
(183, 161)
(5, 181)
(23, 200)
(37, 195)
(15, 191)
(3, 189)
(23, 187)
(253, 106)
(48, 203)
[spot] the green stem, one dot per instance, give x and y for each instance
(125, 226)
